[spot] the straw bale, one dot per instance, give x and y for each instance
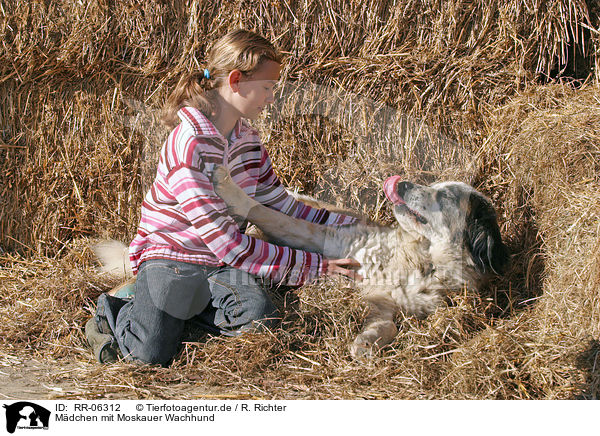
(546, 143)
(68, 69)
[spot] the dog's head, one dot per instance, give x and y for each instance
(452, 214)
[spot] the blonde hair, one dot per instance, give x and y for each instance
(238, 50)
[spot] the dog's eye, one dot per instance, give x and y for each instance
(440, 196)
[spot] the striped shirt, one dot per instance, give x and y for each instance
(183, 219)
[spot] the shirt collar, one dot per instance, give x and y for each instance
(204, 127)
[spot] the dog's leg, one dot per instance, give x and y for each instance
(380, 328)
(281, 229)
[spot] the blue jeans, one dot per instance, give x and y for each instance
(169, 293)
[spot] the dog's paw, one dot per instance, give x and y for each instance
(225, 187)
(220, 178)
(363, 347)
(238, 203)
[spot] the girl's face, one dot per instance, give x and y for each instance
(254, 92)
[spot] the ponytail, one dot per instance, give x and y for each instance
(189, 91)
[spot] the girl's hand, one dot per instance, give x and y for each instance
(344, 267)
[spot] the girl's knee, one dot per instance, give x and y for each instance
(259, 306)
(262, 310)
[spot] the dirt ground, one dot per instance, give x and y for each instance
(33, 379)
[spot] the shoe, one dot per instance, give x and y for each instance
(103, 343)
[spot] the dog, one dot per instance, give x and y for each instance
(446, 238)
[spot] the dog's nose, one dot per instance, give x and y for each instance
(403, 187)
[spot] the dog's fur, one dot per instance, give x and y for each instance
(447, 238)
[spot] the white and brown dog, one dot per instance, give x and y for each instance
(447, 238)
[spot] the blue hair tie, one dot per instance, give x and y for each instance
(206, 74)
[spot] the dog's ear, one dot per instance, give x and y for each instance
(482, 237)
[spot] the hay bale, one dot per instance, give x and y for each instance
(545, 143)
(67, 71)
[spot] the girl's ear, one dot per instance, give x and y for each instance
(235, 76)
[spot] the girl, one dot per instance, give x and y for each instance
(191, 258)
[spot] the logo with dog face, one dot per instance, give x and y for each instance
(26, 415)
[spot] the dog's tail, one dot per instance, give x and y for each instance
(114, 258)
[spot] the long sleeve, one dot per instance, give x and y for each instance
(271, 192)
(183, 219)
(218, 231)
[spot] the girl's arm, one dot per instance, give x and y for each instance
(208, 214)
(271, 192)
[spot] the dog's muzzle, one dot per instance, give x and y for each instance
(394, 188)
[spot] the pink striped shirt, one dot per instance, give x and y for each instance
(183, 219)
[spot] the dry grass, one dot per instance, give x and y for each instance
(457, 90)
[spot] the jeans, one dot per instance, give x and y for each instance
(169, 293)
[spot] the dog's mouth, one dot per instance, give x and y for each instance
(390, 188)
